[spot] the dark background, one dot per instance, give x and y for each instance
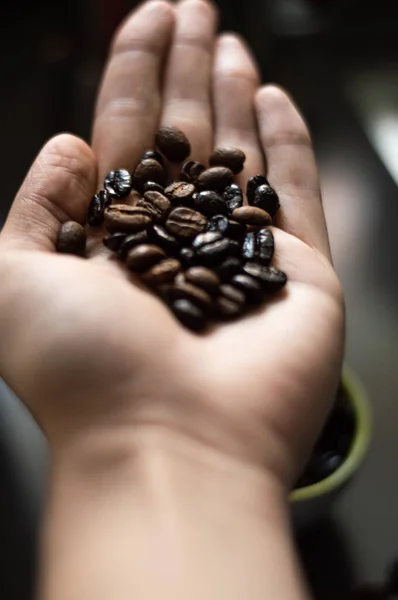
(336, 58)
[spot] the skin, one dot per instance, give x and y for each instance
(146, 420)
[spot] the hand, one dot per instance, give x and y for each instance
(88, 350)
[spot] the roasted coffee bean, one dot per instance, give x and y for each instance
(233, 197)
(228, 156)
(173, 144)
(187, 257)
(114, 241)
(203, 277)
(236, 231)
(266, 198)
(118, 183)
(189, 315)
(253, 184)
(218, 223)
(128, 219)
(95, 214)
(144, 256)
(264, 246)
(227, 309)
(251, 215)
(216, 179)
(185, 223)
(71, 238)
(232, 293)
(249, 246)
(228, 268)
(131, 241)
(210, 247)
(148, 170)
(163, 272)
(180, 192)
(210, 203)
(183, 289)
(157, 204)
(153, 154)
(235, 248)
(249, 286)
(271, 279)
(160, 236)
(191, 170)
(152, 186)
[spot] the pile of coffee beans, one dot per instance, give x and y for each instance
(193, 241)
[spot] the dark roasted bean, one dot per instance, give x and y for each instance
(253, 184)
(236, 231)
(210, 203)
(144, 256)
(173, 144)
(95, 214)
(163, 272)
(187, 257)
(180, 192)
(71, 238)
(203, 277)
(189, 315)
(118, 183)
(235, 248)
(157, 204)
(210, 247)
(218, 223)
(160, 236)
(251, 215)
(249, 246)
(227, 309)
(233, 197)
(264, 245)
(185, 223)
(152, 186)
(128, 219)
(232, 293)
(154, 155)
(148, 170)
(228, 268)
(130, 241)
(249, 286)
(266, 198)
(228, 156)
(189, 291)
(114, 241)
(271, 279)
(215, 178)
(191, 170)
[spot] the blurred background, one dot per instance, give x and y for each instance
(340, 61)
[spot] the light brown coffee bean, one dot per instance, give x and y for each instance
(144, 256)
(232, 293)
(227, 309)
(251, 215)
(128, 219)
(181, 289)
(215, 178)
(149, 170)
(164, 272)
(185, 223)
(228, 156)
(180, 192)
(173, 144)
(204, 278)
(157, 204)
(71, 238)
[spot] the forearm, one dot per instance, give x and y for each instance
(164, 519)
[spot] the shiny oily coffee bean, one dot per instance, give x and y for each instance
(264, 245)
(173, 144)
(227, 309)
(233, 197)
(152, 186)
(114, 241)
(203, 277)
(189, 315)
(154, 155)
(228, 268)
(118, 183)
(71, 238)
(215, 179)
(130, 241)
(228, 156)
(148, 170)
(144, 256)
(236, 231)
(163, 272)
(187, 257)
(210, 203)
(252, 184)
(189, 291)
(249, 286)
(249, 246)
(157, 204)
(185, 223)
(266, 198)
(218, 223)
(232, 293)
(251, 215)
(95, 213)
(270, 278)
(160, 236)
(191, 170)
(128, 219)
(210, 247)
(180, 192)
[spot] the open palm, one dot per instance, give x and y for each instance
(84, 346)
